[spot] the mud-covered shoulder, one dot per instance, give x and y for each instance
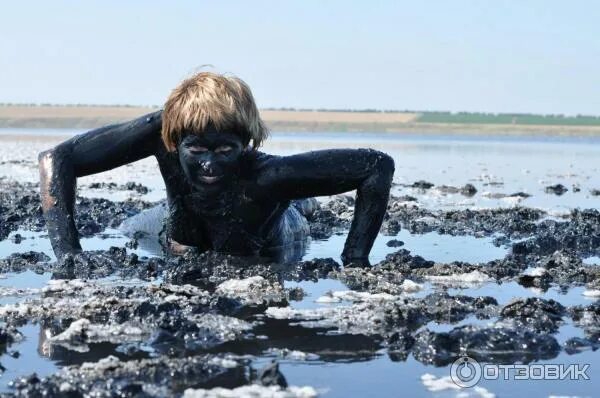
(253, 162)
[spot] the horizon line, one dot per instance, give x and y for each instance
(294, 109)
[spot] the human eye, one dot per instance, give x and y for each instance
(197, 148)
(223, 149)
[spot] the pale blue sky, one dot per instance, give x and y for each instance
(498, 56)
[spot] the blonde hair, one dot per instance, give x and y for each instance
(206, 98)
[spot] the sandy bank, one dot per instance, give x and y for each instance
(84, 117)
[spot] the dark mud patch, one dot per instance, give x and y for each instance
(495, 345)
(20, 208)
(128, 186)
(557, 189)
(20, 262)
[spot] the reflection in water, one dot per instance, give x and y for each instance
(330, 347)
(64, 356)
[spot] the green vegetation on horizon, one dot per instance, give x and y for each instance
(507, 118)
(474, 117)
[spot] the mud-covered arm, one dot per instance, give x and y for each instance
(331, 172)
(93, 152)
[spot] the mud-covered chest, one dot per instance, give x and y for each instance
(231, 222)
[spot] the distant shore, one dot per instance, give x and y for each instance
(84, 117)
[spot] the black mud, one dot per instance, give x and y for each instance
(20, 208)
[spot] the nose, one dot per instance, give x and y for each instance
(206, 165)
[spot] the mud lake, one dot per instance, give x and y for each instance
(486, 251)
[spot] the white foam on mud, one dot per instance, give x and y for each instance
(328, 298)
(512, 200)
(223, 362)
(429, 220)
(472, 277)
(291, 313)
(333, 297)
(16, 310)
(409, 286)
(294, 355)
(82, 331)
(592, 293)
(58, 285)
(252, 391)
(93, 331)
(252, 290)
(407, 203)
(535, 271)
(437, 384)
(359, 318)
(559, 213)
(109, 362)
(237, 286)
(353, 296)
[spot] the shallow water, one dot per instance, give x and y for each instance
(494, 165)
(498, 165)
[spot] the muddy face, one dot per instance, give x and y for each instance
(210, 159)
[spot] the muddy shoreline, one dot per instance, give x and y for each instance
(203, 318)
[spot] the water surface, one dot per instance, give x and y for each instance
(497, 165)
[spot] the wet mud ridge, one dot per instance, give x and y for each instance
(204, 324)
(20, 208)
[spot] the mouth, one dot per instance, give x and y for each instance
(209, 179)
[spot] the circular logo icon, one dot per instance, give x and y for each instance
(465, 372)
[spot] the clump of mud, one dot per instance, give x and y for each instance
(19, 207)
(490, 344)
(111, 186)
(19, 262)
(557, 189)
(536, 314)
(332, 217)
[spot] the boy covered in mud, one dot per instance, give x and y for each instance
(222, 193)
